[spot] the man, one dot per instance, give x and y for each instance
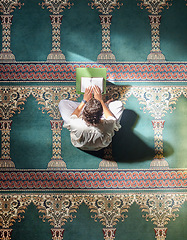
(91, 123)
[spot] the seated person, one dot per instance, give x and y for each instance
(91, 122)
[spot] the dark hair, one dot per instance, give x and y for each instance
(93, 111)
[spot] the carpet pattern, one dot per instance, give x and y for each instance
(59, 192)
(136, 187)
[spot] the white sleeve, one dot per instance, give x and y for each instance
(68, 125)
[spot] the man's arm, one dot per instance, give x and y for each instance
(98, 96)
(87, 97)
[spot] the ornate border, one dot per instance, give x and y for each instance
(79, 180)
(116, 72)
(109, 209)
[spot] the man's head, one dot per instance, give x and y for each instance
(93, 111)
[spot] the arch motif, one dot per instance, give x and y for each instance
(108, 208)
(156, 100)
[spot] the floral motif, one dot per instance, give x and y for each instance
(160, 208)
(11, 208)
(12, 99)
(8, 6)
(154, 6)
(158, 100)
(56, 6)
(50, 97)
(110, 208)
(57, 208)
(105, 6)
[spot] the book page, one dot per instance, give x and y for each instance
(87, 81)
(98, 82)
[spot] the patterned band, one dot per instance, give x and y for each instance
(116, 72)
(76, 180)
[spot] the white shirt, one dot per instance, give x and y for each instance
(89, 137)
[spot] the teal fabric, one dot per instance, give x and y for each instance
(136, 149)
(31, 32)
(134, 226)
(83, 226)
(31, 226)
(174, 135)
(173, 31)
(31, 137)
(177, 229)
(130, 32)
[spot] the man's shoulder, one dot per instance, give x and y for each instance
(109, 120)
(77, 122)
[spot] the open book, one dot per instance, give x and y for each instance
(91, 81)
(86, 77)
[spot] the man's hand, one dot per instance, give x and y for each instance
(87, 97)
(109, 101)
(88, 94)
(98, 96)
(97, 93)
